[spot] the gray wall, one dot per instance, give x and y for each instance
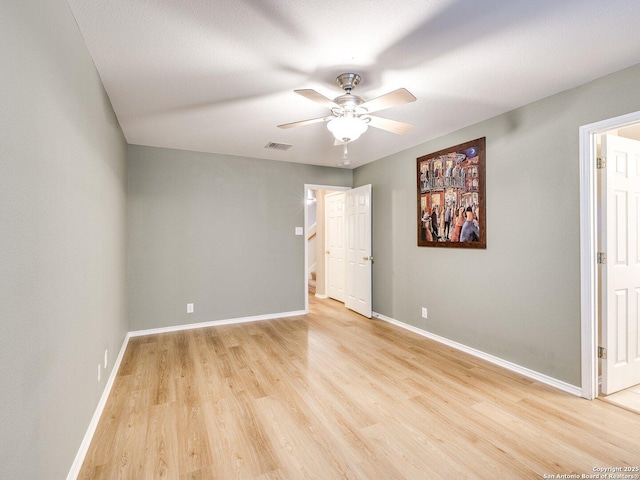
(216, 231)
(520, 299)
(62, 238)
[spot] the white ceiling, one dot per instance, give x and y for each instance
(218, 76)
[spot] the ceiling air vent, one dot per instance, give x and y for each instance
(278, 146)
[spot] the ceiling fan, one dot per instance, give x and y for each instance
(351, 115)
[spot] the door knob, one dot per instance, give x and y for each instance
(327, 252)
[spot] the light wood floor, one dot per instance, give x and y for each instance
(333, 395)
(629, 399)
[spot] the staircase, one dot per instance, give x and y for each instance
(312, 283)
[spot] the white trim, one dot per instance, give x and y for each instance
(321, 296)
(216, 323)
(532, 374)
(588, 245)
(588, 273)
(93, 425)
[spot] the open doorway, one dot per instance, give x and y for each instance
(314, 250)
(609, 152)
(356, 239)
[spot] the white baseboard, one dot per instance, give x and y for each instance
(318, 295)
(526, 372)
(216, 323)
(93, 425)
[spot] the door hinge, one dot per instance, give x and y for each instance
(601, 162)
(602, 353)
(602, 258)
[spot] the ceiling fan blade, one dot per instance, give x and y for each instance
(305, 122)
(391, 99)
(393, 126)
(317, 97)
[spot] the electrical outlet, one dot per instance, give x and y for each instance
(424, 312)
(189, 307)
(99, 372)
(106, 358)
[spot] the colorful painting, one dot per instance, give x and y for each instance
(451, 197)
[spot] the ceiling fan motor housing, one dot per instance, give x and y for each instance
(348, 103)
(348, 81)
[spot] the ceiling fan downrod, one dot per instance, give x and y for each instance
(345, 153)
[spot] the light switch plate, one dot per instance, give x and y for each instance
(299, 231)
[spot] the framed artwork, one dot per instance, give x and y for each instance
(451, 197)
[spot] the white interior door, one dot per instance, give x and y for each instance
(335, 245)
(359, 257)
(620, 208)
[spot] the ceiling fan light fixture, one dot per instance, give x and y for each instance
(347, 128)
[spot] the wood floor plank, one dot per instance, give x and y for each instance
(334, 395)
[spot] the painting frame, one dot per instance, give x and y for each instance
(451, 190)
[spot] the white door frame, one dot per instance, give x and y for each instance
(588, 246)
(308, 187)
